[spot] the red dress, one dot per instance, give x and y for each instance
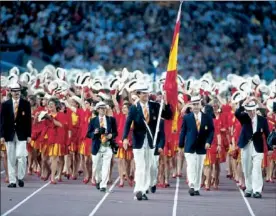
(212, 156)
(272, 124)
(75, 127)
(86, 143)
(57, 135)
(37, 128)
(122, 153)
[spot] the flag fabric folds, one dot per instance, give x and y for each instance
(170, 85)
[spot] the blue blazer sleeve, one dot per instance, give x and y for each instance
(183, 133)
(167, 112)
(90, 133)
(242, 116)
(211, 131)
(2, 120)
(114, 128)
(129, 120)
(28, 119)
(161, 143)
(266, 132)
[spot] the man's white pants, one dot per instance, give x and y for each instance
(154, 170)
(252, 168)
(194, 169)
(101, 165)
(145, 172)
(16, 150)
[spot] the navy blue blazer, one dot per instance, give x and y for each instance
(194, 140)
(160, 142)
(247, 130)
(22, 125)
(140, 131)
(96, 138)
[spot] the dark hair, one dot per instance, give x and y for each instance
(126, 103)
(89, 100)
(56, 102)
(274, 107)
(33, 99)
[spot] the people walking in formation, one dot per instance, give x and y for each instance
(72, 124)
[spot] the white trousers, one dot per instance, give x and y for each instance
(252, 168)
(154, 170)
(101, 165)
(145, 171)
(194, 169)
(16, 150)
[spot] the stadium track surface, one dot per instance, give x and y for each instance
(73, 198)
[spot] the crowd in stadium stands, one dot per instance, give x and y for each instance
(221, 37)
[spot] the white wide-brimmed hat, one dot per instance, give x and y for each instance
(195, 99)
(15, 86)
(77, 99)
(238, 96)
(100, 104)
(252, 105)
(141, 87)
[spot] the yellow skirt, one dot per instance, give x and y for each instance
(56, 150)
(85, 148)
(121, 154)
(3, 147)
(35, 144)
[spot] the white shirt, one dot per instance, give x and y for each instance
(104, 121)
(146, 105)
(254, 124)
(198, 117)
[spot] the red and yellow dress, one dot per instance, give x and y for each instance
(37, 128)
(2, 145)
(75, 127)
(236, 152)
(122, 153)
(212, 156)
(272, 124)
(57, 135)
(86, 143)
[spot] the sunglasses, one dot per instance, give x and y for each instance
(15, 90)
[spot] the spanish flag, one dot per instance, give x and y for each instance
(170, 85)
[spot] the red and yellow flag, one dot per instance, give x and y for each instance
(170, 85)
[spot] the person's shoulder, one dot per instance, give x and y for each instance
(154, 104)
(6, 102)
(24, 101)
(261, 118)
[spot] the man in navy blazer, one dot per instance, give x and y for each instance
(196, 136)
(102, 130)
(143, 115)
(15, 132)
(252, 146)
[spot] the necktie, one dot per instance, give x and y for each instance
(103, 137)
(101, 122)
(15, 108)
(146, 114)
(197, 124)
